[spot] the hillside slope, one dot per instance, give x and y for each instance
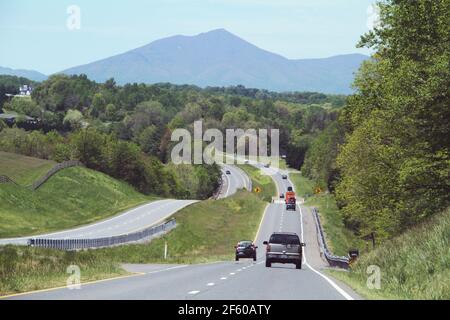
(414, 265)
(22, 169)
(220, 58)
(74, 196)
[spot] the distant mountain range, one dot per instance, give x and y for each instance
(220, 58)
(29, 74)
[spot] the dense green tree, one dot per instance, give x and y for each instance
(98, 105)
(88, 147)
(73, 119)
(320, 158)
(149, 140)
(395, 164)
(23, 106)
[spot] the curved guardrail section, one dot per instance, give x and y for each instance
(334, 261)
(77, 244)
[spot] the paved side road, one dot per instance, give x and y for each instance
(225, 280)
(130, 221)
(237, 179)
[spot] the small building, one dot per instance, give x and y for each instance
(25, 90)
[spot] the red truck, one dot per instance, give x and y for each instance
(290, 199)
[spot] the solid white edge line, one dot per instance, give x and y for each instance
(331, 282)
(228, 183)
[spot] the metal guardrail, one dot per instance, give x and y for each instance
(334, 261)
(77, 244)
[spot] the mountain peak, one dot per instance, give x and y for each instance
(220, 33)
(220, 58)
(217, 31)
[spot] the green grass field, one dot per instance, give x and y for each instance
(72, 197)
(23, 170)
(414, 265)
(206, 231)
(265, 183)
(25, 268)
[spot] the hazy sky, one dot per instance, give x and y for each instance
(34, 34)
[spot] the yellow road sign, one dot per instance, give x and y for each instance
(258, 190)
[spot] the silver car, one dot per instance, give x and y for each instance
(284, 247)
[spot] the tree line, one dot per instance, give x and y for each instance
(118, 158)
(387, 157)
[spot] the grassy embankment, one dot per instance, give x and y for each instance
(414, 265)
(206, 231)
(23, 170)
(72, 197)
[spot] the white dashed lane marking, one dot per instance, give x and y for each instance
(193, 292)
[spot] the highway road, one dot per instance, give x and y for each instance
(237, 179)
(132, 220)
(244, 279)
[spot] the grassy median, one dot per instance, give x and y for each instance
(263, 182)
(206, 231)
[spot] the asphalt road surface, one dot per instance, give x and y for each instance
(244, 279)
(130, 221)
(237, 179)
